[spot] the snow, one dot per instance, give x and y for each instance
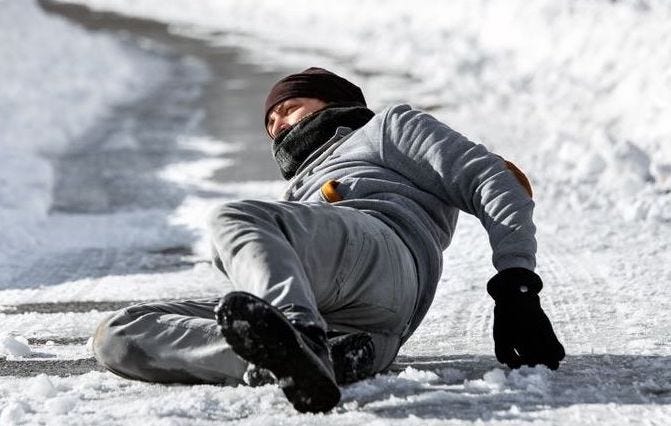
(575, 93)
(44, 396)
(590, 82)
(418, 375)
(491, 381)
(50, 97)
(41, 387)
(61, 352)
(14, 346)
(71, 324)
(13, 413)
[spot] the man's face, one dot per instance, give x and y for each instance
(289, 112)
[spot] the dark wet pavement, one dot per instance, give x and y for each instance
(207, 91)
(114, 166)
(61, 368)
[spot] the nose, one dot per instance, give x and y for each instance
(278, 125)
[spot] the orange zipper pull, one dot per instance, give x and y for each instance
(329, 191)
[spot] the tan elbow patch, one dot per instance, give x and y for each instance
(521, 177)
(329, 191)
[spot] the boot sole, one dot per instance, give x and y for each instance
(353, 355)
(259, 333)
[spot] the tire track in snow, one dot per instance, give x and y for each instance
(569, 294)
(65, 307)
(460, 319)
(28, 368)
(593, 307)
(466, 263)
(587, 315)
(583, 311)
(561, 307)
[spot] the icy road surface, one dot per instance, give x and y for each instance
(129, 186)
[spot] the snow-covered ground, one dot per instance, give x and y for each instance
(52, 92)
(576, 93)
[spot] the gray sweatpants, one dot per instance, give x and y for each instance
(336, 266)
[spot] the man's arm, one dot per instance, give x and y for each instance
(467, 176)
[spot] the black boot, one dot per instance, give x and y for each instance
(352, 354)
(298, 355)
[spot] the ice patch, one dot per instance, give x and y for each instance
(50, 97)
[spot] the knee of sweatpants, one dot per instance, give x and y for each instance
(234, 211)
(113, 349)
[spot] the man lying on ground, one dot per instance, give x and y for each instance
(330, 282)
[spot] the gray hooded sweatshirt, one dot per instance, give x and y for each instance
(415, 173)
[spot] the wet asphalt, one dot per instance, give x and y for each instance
(93, 178)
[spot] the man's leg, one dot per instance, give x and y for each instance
(168, 342)
(320, 264)
(147, 342)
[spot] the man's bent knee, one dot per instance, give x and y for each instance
(120, 353)
(112, 349)
(234, 211)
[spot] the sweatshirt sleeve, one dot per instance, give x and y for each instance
(464, 175)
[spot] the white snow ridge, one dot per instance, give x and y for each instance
(576, 93)
(14, 346)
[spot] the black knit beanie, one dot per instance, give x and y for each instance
(314, 83)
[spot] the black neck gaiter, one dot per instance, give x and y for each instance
(295, 144)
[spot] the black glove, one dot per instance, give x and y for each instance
(523, 334)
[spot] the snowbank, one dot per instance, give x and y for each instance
(575, 91)
(57, 80)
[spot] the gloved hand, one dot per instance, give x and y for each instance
(523, 334)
